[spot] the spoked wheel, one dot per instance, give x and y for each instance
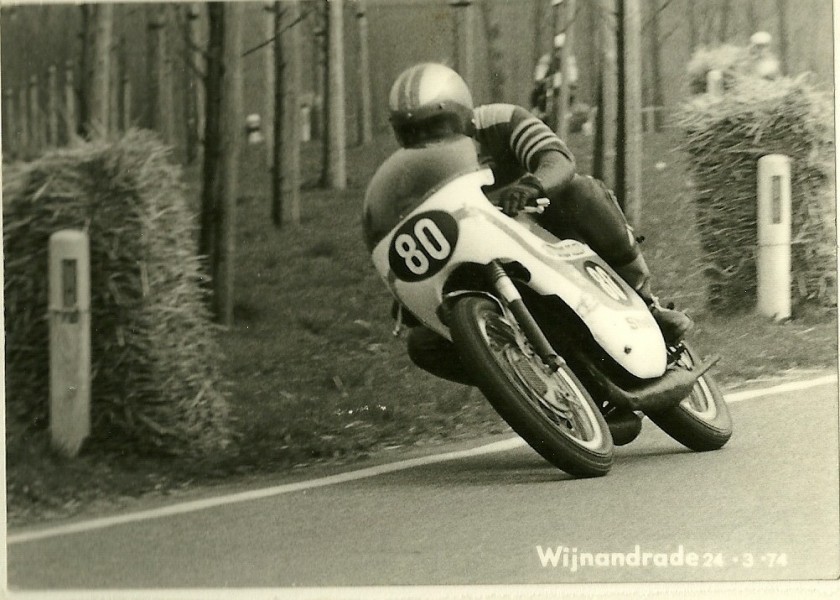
(701, 421)
(553, 412)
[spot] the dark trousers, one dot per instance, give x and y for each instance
(586, 210)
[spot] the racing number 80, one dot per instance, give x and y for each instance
(423, 245)
(433, 244)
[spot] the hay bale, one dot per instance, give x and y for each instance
(725, 137)
(732, 61)
(156, 383)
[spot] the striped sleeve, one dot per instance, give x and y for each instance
(529, 136)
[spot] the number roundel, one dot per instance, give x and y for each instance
(607, 283)
(423, 245)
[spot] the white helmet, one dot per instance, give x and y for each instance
(426, 95)
(761, 38)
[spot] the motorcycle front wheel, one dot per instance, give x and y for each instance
(701, 421)
(552, 412)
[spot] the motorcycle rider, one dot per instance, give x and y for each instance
(430, 103)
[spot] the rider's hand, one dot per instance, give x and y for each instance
(516, 196)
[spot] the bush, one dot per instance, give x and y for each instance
(725, 137)
(156, 384)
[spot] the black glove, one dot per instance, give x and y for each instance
(516, 196)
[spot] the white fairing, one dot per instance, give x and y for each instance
(617, 318)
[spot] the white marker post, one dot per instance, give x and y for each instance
(714, 83)
(773, 263)
(69, 314)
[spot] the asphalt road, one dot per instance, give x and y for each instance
(763, 508)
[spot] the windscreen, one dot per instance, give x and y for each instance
(408, 177)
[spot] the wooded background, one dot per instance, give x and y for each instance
(509, 36)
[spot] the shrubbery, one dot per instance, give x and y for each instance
(724, 137)
(156, 383)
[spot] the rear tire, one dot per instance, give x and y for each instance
(553, 413)
(701, 422)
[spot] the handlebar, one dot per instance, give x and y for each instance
(537, 207)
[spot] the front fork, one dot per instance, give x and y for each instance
(513, 301)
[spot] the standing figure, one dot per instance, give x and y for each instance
(548, 77)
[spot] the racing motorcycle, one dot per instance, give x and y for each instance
(565, 351)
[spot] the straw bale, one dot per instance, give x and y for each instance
(725, 137)
(156, 381)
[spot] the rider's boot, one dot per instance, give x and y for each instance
(675, 324)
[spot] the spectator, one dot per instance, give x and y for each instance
(764, 63)
(548, 77)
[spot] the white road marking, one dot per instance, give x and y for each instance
(196, 505)
(782, 388)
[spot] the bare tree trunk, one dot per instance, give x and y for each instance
(71, 125)
(166, 105)
(621, 104)
(273, 13)
(365, 112)
(279, 80)
(631, 108)
(114, 92)
(553, 109)
(10, 124)
(752, 16)
(231, 143)
(782, 12)
(319, 59)
(23, 115)
(708, 17)
(464, 40)
(292, 125)
(212, 168)
(336, 141)
(324, 116)
(127, 121)
(52, 107)
(495, 56)
(693, 35)
(86, 37)
(657, 94)
(123, 89)
(605, 158)
(725, 12)
(99, 119)
(193, 86)
(562, 108)
(160, 74)
(539, 19)
(35, 121)
(153, 26)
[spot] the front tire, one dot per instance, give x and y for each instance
(552, 412)
(701, 422)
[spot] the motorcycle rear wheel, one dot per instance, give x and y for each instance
(552, 412)
(701, 422)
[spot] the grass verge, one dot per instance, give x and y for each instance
(317, 376)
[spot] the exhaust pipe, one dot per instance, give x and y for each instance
(657, 395)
